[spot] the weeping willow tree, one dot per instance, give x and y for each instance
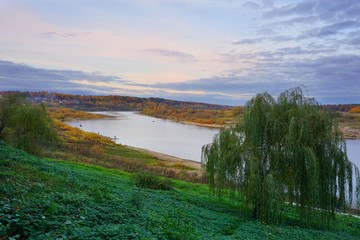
(23, 125)
(288, 151)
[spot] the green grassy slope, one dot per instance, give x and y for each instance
(47, 199)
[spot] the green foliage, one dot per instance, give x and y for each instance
(176, 223)
(24, 125)
(138, 199)
(47, 199)
(8, 106)
(289, 150)
(31, 125)
(150, 180)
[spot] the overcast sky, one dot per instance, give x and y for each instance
(215, 51)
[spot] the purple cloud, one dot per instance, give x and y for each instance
(15, 76)
(305, 7)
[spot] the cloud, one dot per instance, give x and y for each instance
(328, 30)
(294, 21)
(298, 51)
(324, 9)
(353, 41)
(22, 77)
(276, 39)
(267, 3)
(63, 35)
(313, 19)
(305, 7)
(331, 79)
(181, 56)
(248, 41)
(251, 5)
(15, 76)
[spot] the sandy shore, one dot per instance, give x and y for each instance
(170, 160)
(350, 133)
(203, 125)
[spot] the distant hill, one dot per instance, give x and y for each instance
(111, 102)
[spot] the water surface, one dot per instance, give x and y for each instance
(159, 135)
(166, 136)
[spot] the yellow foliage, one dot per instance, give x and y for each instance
(192, 115)
(69, 113)
(236, 111)
(179, 165)
(97, 149)
(355, 110)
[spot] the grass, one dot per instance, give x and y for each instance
(52, 199)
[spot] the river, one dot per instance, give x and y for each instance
(166, 136)
(159, 135)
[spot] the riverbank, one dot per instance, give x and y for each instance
(350, 133)
(168, 160)
(204, 124)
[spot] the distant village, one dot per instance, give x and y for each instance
(53, 100)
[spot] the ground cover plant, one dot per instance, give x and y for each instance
(51, 199)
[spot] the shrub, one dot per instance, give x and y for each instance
(150, 180)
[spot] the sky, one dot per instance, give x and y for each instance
(214, 51)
